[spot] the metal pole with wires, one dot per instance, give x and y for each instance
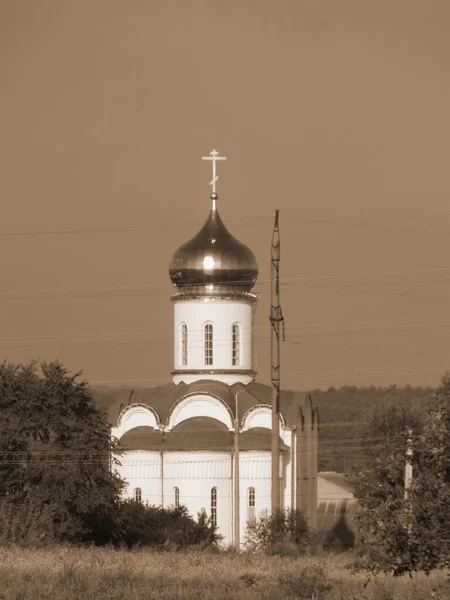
(276, 321)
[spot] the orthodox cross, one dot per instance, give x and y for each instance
(214, 155)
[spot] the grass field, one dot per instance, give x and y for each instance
(104, 574)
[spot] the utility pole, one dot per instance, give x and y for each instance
(408, 479)
(237, 495)
(408, 464)
(276, 319)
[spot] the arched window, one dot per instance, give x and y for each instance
(236, 350)
(138, 495)
(214, 506)
(208, 343)
(176, 493)
(251, 503)
(184, 344)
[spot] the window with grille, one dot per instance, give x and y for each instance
(176, 492)
(251, 503)
(214, 506)
(138, 495)
(236, 352)
(184, 344)
(208, 344)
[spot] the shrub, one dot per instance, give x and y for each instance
(284, 532)
(310, 582)
(163, 528)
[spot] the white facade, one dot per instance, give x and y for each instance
(230, 322)
(157, 474)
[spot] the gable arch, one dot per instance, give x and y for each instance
(135, 415)
(200, 405)
(260, 416)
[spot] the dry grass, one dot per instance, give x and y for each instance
(100, 574)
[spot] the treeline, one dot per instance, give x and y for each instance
(56, 480)
(345, 413)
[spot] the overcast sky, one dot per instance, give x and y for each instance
(336, 112)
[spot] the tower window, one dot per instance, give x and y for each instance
(138, 495)
(184, 344)
(251, 503)
(236, 351)
(176, 492)
(208, 341)
(214, 506)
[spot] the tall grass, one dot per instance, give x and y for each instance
(106, 574)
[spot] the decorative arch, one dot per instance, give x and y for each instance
(200, 405)
(260, 416)
(135, 415)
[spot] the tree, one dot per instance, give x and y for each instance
(55, 478)
(406, 534)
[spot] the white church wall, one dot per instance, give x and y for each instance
(255, 472)
(222, 314)
(195, 474)
(142, 469)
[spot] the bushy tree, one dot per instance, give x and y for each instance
(281, 532)
(406, 534)
(55, 478)
(170, 528)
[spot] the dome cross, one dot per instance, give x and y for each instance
(214, 156)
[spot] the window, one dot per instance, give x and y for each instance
(236, 352)
(208, 341)
(138, 495)
(176, 492)
(184, 344)
(214, 506)
(251, 503)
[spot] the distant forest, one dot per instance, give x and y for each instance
(343, 416)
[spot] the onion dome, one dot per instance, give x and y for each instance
(213, 261)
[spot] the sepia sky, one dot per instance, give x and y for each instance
(336, 112)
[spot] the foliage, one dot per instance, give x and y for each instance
(344, 416)
(406, 534)
(163, 528)
(309, 582)
(281, 532)
(55, 476)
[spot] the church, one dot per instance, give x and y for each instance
(204, 440)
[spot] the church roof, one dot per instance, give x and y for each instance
(163, 398)
(258, 438)
(141, 438)
(199, 433)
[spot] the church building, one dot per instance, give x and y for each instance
(204, 440)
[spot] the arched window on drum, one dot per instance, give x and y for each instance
(208, 339)
(236, 345)
(176, 493)
(137, 494)
(184, 345)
